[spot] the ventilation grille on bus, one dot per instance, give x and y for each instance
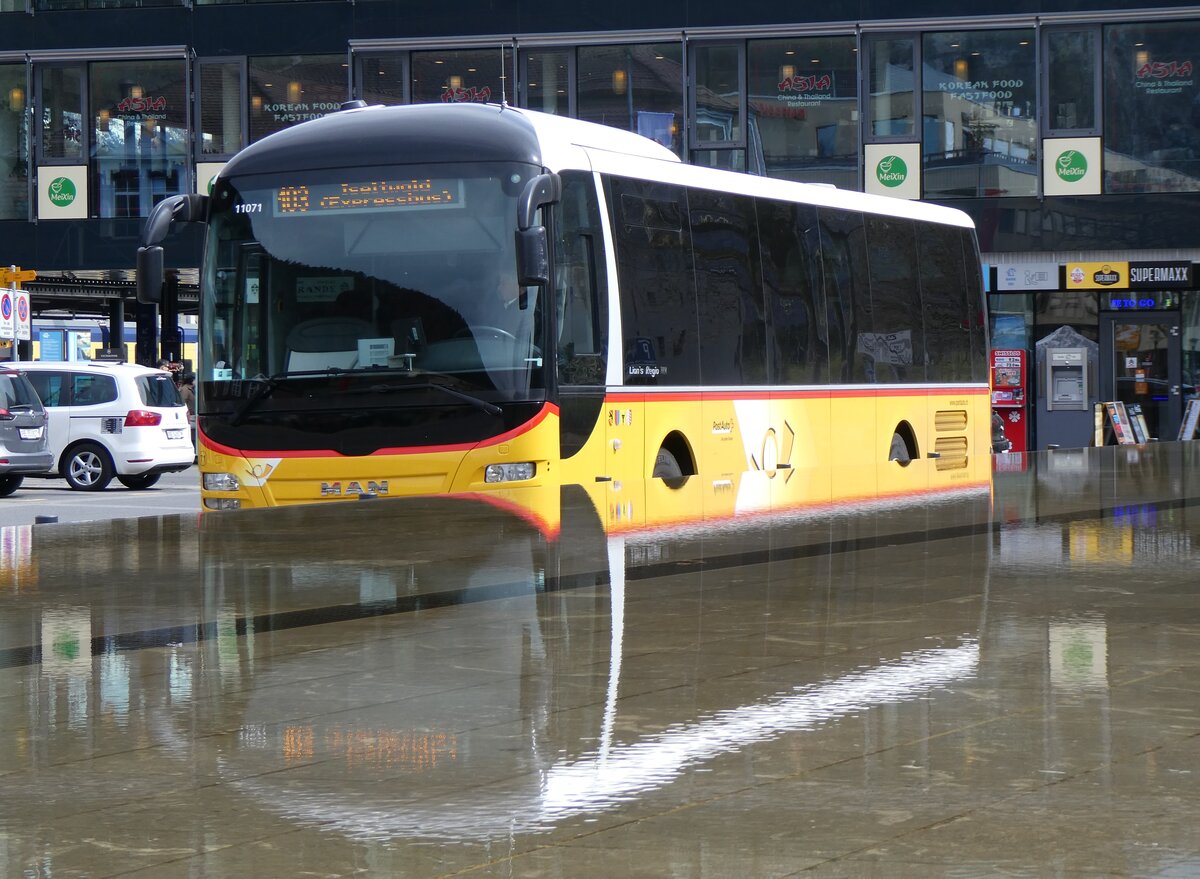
(951, 452)
(950, 420)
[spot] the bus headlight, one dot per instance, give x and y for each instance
(222, 503)
(221, 482)
(509, 472)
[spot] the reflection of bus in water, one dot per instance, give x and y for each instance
(423, 299)
(518, 663)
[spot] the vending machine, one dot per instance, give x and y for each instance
(1009, 397)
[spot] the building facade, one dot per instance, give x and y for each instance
(1071, 136)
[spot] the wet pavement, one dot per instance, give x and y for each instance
(985, 680)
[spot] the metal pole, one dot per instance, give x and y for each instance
(12, 288)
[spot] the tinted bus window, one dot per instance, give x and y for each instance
(847, 295)
(732, 321)
(944, 298)
(897, 347)
(791, 270)
(580, 284)
(658, 296)
(975, 306)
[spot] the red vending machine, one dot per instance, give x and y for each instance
(1009, 396)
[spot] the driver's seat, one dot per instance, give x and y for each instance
(326, 342)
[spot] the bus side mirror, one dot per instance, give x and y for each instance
(542, 190)
(533, 257)
(149, 274)
(188, 208)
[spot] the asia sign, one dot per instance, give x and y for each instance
(1164, 77)
(1097, 275)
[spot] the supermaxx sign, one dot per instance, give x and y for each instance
(1160, 275)
(1130, 275)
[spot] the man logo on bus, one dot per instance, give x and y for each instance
(61, 192)
(891, 171)
(1071, 166)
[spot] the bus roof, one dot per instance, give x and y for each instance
(436, 133)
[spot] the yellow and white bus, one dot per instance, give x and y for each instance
(439, 298)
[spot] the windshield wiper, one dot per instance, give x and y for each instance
(482, 405)
(271, 382)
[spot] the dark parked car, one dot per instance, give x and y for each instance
(24, 443)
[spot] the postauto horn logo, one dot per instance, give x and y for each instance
(1071, 166)
(891, 171)
(61, 192)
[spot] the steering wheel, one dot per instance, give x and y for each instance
(479, 329)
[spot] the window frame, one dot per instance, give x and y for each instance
(197, 83)
(1042, 57)
(523, 75)
(866, 40)
(694, 144)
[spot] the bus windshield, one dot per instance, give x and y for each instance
(321, 284)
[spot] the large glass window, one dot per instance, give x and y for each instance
(14, 144)
(221, 108)
(548, 81)
(466, 76)
(139, 137)
(1072, 80)
(294, 88)
(635, 87)
(1151, 120)
(382, 78)
(891, 87)
(979, 125)
(804, 108)
(718, 95)
(62, 128)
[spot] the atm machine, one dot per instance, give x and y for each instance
(1066, 416)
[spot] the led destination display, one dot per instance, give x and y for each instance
(367, 196)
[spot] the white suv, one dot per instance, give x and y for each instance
(111, 419)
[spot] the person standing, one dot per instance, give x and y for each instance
(187, 393)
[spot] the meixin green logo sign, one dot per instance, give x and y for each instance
(61, 192)
(1071, 166)
(891, 171)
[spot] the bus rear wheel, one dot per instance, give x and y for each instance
(899, 451)
(666, 466)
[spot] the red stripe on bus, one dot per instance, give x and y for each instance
(828, 393)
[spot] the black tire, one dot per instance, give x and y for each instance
(899, 450)
(87, 467)
(9, 483)
(137, 483)
(666, 466)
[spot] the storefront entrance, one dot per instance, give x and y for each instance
(1140, 364)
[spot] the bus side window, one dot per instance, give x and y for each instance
(580, 289)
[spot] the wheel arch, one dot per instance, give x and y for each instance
(905, 431)
(677, 444)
